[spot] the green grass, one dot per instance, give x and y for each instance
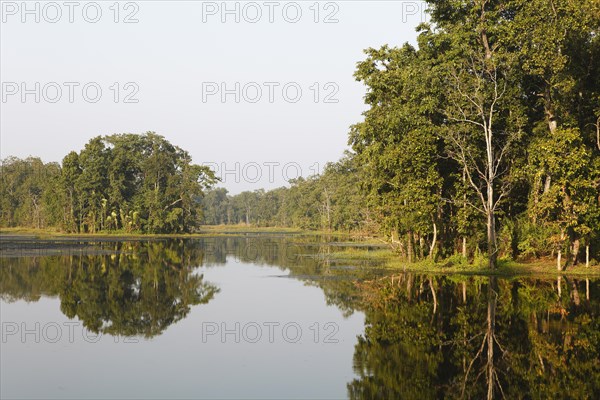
(503, 268)
(359, 254)
(205, 231)
(386, 258)
(241, 228)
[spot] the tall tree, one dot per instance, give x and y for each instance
(398, 145)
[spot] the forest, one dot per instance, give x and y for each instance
(127, 183)
(482, 139)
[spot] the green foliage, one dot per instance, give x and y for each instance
(330, 201)
(398, 145)
(489, 123)
(132, 183)
(27, 195)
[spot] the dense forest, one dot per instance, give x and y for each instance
(486, 136)
(483, 139)
(128, 183)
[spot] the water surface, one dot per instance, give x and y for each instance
(279, 316)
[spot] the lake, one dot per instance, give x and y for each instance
(281, 316)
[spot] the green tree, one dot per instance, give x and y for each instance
(398, 145)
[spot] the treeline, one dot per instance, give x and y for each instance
(331, 201)
(126, 182)
(484, 138)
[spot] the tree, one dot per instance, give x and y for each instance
(569, 202)
(483, 113)
(558, 51)
(69, 176)
(216, 209)
(92, 183)
(28, 195)
(398, 146)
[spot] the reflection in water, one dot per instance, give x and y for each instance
(140, 289)
(438, 337)
(131, 288)
(425, 336)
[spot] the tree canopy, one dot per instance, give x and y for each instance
(125, 182)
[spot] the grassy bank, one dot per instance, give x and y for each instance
(359, 254)
(387, 259)
(204, 231)
(208, 230)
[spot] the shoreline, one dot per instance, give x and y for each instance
(204, 232)
(383, 258)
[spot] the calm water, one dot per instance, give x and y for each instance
(270, 316)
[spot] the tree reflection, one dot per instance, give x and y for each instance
(488, 345)
(139, 289)
(425, 336)
(477, 338)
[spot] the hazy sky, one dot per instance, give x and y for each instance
(264, 97)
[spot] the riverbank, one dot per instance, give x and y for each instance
(359, 252)
(218, 230)
(387, 259)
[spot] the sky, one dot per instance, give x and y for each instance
(260, 91)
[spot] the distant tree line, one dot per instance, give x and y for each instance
(126, 182)
(484, 138)
(330, 201)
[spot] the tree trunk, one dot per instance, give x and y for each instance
(464, 239)
(549, 110)
(72, 213)
(433, 242)
(598, 133)
(328, 210)
(491, 239)
(575, 251)
(547, 184)
(587, 255)
(394, 236)
(536, 193)
(491, 220)
(409, 246)
(559, 251)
